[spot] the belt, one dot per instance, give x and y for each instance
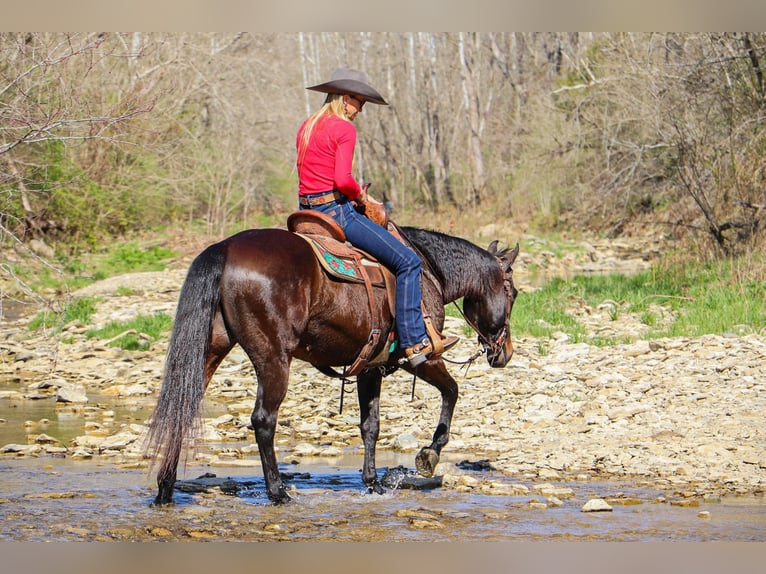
(308, 201)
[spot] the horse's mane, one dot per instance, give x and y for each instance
(454, 260)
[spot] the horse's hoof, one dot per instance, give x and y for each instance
(375, 488)
(280, 498)
(426, 461)
(159, 503)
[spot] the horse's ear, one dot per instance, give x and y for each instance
(510, 256)
(492, 247)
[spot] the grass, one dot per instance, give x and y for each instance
(705, 298)
(78, 310)
(136, 334)
(72, 273)
(714, 297)
(123, 258)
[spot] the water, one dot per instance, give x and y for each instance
(53, 498)
(22, 418)
(58, 499)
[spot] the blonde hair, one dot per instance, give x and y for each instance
(333, 106)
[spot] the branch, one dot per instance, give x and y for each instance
(583, 86)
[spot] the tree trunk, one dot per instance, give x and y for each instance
(471, 101)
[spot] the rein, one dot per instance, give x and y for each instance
(485, 343)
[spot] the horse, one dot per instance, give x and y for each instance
(263, 289)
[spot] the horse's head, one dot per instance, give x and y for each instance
(489, 312)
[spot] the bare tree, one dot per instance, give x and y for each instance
(202, 126)
(44, 90)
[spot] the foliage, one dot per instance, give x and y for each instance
(714, 297)
(136, 334)
(79, 310)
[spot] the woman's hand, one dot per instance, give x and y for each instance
(362, 198)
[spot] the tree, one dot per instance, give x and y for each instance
(58, 90)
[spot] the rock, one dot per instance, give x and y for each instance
(71, 394)
(402, 478)
(596, 505)
(43, 439)
(405, 442)
(42, 249)
(305, 449)
(414, 513)
(425, 524)
(81, 452)
(679, 414)
(119, 441)
(23, 449)
(549, 490)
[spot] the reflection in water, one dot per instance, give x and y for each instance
(59, 499)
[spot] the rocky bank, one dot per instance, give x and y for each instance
(682, 414)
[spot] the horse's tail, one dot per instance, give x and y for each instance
(176, 416)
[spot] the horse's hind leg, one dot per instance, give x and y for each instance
(368, 392)
(165, 483)
(272, 387)
(220, 345)
(436, 374)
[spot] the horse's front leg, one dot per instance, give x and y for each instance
(368, 392)
(435, 373)
(272, 387)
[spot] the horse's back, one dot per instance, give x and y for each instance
(274, 292)
(259, 247)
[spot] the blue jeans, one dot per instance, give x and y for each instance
(400, 259)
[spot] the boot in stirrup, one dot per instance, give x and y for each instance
(420, 352)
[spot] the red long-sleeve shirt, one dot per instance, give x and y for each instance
(326, 163)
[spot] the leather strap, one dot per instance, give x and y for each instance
(307, 201)
(372, 341)
(433, 334)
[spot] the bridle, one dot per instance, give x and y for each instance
(490, 345)
(495, 346)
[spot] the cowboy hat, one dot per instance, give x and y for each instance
(353, 82)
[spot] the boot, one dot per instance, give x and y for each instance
(420, 352)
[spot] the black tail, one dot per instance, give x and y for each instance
(176, 415)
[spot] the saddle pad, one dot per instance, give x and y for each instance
(342, 261)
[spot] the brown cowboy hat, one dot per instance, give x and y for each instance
(353, 82)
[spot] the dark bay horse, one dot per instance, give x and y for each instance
(264, 290)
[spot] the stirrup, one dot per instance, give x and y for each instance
(420, 352)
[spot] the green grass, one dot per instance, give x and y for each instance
(76, 273)
(130, 257)
(72, 273)
(78, 310)
(137, 334)
(709, 298)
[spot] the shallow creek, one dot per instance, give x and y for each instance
(52, 498)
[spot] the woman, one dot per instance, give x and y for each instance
(325, 144)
